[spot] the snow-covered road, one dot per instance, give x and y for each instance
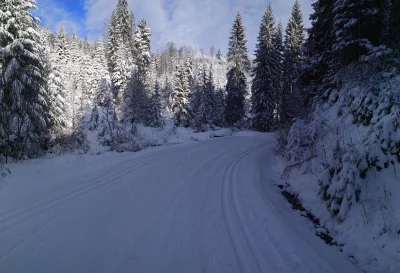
(208, 206)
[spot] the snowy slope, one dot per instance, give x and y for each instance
(343, 165)
(207, 206)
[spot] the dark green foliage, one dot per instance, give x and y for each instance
(181, 97)
(235, 98)
(266, 81)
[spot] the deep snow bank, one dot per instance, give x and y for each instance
(344, 165)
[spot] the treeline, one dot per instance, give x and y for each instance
(54, 86)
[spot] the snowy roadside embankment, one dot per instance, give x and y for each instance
(94, 144)
(343, 164)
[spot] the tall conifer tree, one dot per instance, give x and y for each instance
(236, 79)
(266, 76)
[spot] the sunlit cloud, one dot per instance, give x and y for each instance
(203, 23)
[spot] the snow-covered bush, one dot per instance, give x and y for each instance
(366, 138)
(348, 155)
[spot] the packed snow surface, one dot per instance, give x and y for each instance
(208, 206)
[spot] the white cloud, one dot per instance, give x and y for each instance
(198, 22)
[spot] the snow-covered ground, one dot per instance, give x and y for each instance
(339, 157)
(208, 206)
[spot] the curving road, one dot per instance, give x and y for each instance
(205, 207)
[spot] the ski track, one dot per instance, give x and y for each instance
(203, 207)
(38, 207)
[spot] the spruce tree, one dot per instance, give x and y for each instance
(143, 51)
(236, 79)
(61, 47)
(120, 71)
(57, 108)
(113, 41)
(219, 105)
(219, 55)
(167, 94)
(235, 97)
(209, 101)
(181, 97)
(266, 76)
(125, 21)
(357, 27)
(155, 118)
(237, 52)
(139, 90)
(201, 110)
(292, 98)
(99, 69)
(23, 95)
(278, 71)
(395, 25)
(317, 50)
(99, 59)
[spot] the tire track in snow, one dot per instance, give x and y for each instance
(164, 219)
(252, 239)
(48, 207)
(84, 183)
(96, 184)
(76, 216)
(237, 235)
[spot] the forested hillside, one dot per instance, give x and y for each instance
(56, 87)
(343, 151)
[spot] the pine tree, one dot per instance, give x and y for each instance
(99, 58)
(357, 27)
(219, 105)
(209, 101)
(237, 53)
(266, 76)
(219, 55)
(61, 47)
(167, 94)
(73, 49)
(235, 97)
(57, 104)
(189, 72)
(155, 118)
(317, 50)
(103, 93)
(100, 68)
(143, 51)
(23, 94)
(239, 64)
(139, 90)
(125, 21)
(181, 97)
(292, 99)
(113, 41)
(277, 71)
(133, 28)
(120, 72)
(73, 56)
(201, 114)
(86, 47)
(395, 25)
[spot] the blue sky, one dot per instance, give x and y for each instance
(199, 22)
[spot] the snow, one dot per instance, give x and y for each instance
(250, 134)
(208, 206)
(369, 228)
